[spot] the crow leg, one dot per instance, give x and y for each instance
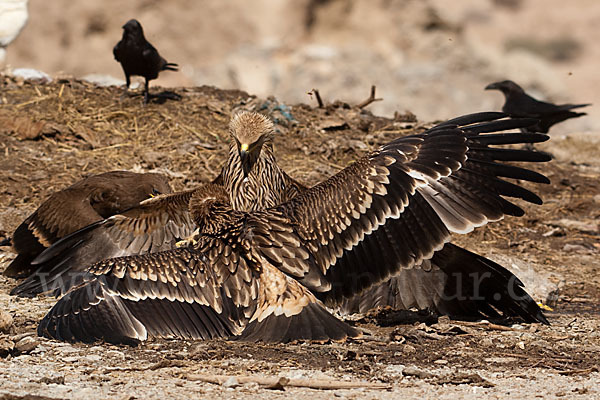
(127, 83)
(146, 95)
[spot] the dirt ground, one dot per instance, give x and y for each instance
(54, 134)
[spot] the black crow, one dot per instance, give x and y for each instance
(520, 104)
(138, 57)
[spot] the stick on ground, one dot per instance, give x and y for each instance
(275, 381)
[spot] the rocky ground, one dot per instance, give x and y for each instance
(52, 134)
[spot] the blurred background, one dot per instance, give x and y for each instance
(432, 57)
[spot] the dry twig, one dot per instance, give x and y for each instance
(275, 382)
(318, 97)
(370, 99)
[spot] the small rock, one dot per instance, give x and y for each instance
(414, 371)
(30, 74)
(280, 384)
(441, 362)
(48, 380)
(116, 354)
(70, 359)
(26, 345)
(231, 382)
(6, 321)
(92, 358)
(67, 349)
(409, 349)
(103, 80)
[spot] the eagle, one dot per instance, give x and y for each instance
(267, 274)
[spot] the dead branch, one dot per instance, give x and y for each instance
(486, 325)
(278, 382)
(318, 97)
(585, 371)
(369, 100)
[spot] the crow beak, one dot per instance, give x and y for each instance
(491, 86)
(245, 159)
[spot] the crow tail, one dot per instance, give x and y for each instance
(170, 67)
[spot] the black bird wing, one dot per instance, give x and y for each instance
(153, 225)
(154, 62)
(118, 51)
(520, 104)
(396, 207)
(559, 114)
(523, 105)
(454, 282)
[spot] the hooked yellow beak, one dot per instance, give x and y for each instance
(244, 147)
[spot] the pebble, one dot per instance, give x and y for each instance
(67, 349)
(26, 345)
(414, 371)
(6, 321)
(30, 73)
(409, 349)
(116, 354)
(92, 358)
(231, 382)
(70, 359)
(441, 362)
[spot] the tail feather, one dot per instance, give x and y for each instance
(574, 106)
(313, 323)
(170, 67)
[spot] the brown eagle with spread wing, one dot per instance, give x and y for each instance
(265, 274)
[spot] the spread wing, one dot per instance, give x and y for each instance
(176, 293)
(214, 290)
(396, 207)
(154, 225)
(85, 202)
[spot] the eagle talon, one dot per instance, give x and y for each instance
(190, 240)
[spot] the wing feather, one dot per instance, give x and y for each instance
(406, 198)
(153, 225)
